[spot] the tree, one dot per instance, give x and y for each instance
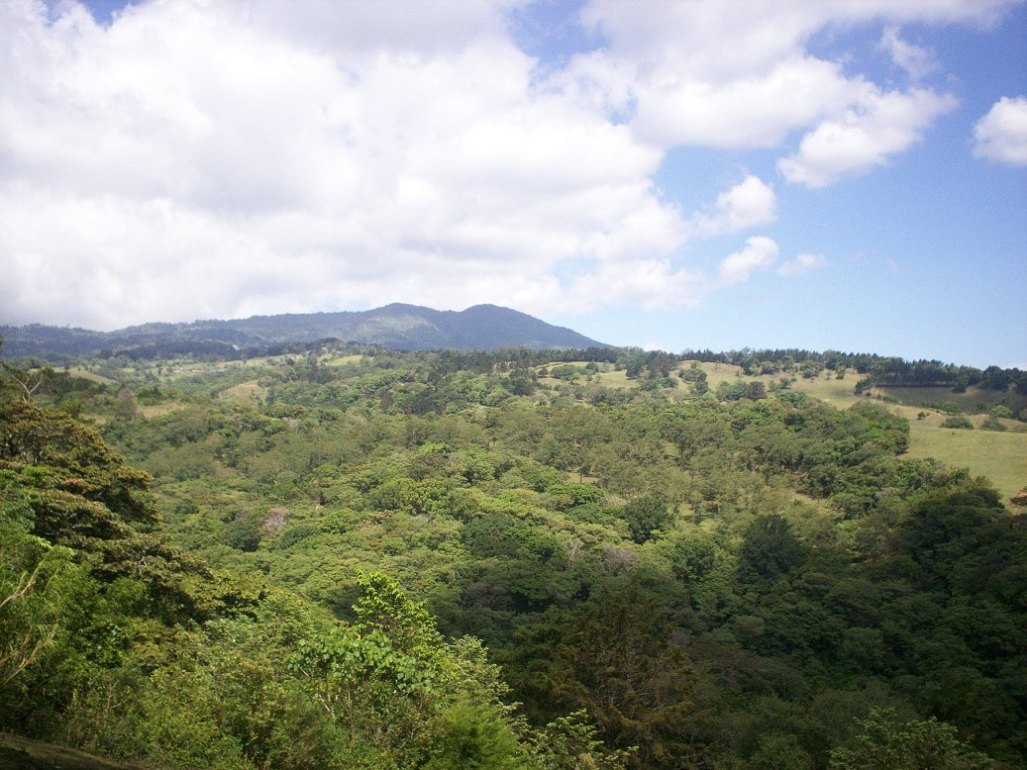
(616, 658)
(30, 598)
(398, 688)
(769, 549)
(644, 516)
(81, 487)
(27, 384)
(756, 390)
(888, 744)
(570, 743)
(521, 382)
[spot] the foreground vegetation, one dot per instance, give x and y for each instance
(348, 557)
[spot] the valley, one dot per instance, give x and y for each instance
(665, 561)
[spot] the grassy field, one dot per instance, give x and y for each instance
(85, 374)
(333, 360)
(1002, 457)
(836, 392)
(826, 387)
(251, 392)
(150, 411)
(615, 379)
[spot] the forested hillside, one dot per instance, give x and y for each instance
(397, 326)
(349, 557)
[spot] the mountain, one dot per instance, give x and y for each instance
(396, 326)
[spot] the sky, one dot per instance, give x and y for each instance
(827, 174)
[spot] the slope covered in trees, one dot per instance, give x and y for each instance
(397, 326)
(357, 558)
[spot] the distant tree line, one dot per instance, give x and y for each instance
(152, 344)
(891, 371)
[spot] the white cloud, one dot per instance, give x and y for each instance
(916, 61)
(722, 38)
(191, 160)
(759, 253)
(709, 73)
(758, 110)
(649, 283)
(1001, 135)
(197, 158)
(713, 73)
(357, 28)
(801, 265)
(749, 203)
(888, 123)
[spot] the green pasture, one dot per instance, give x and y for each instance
(332, 360)
(1001, 456)
(827, 387)
(247, 392)
(85, 374)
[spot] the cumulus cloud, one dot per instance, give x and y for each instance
(195, 158)
(191, 160)
(649, 283)
(749, 203)
(705, 73)
(702, 73)
(759, 253)
(886, 124)
(801, 265)
(916, 61)
(1001, 135)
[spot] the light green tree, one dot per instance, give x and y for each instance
(889, 744)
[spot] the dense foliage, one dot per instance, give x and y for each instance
(349, 557)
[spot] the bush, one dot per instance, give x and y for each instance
(992, 423)
(958, 421)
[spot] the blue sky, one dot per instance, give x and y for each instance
(832, 174)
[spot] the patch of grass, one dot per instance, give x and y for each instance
(149, 411)
(616, 379)
(356, 358)
(716, 373)
(826, 387)
(1001, 456)
(85, 374)
(838, 393)
(192, 369)
(250, 392)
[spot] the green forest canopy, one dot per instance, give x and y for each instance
(349, 557)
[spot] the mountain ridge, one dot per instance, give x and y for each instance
(397, 326)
